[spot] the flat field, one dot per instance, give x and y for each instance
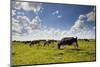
(23, 54)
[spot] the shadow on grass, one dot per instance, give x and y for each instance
(78, 49)
(61, 49)
(83, 51)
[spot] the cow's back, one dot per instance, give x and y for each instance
(67, 40)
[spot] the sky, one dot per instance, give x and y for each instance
(36, 20)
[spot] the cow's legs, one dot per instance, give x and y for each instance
(59, 44)
(38, 43)
(75, 45)
(45, 43)
(31, 44)
(49, 43)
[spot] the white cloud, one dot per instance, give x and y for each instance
(59, 16)
(35, 23)
(77, 27)
(23, 20)
(27, 6)
(13, 12)
(81, 17)
(91, 16)
(53, 34)
(16, 5)
(31, 6)
(24, 29)
(80, 28)
(84, 33)
(16, 29)
(50, 33)
(55, 12)
(22, 25)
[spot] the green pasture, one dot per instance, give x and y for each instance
(23, 54)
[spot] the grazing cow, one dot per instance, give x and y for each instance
(27, 42)
(86, 40)
(34, 42)
(37, 42)
(42, 41)
(49, 42)
(68, 41)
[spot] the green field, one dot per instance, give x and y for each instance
(23, 54)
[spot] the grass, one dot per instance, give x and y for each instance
(22, 54)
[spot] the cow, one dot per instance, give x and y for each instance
(27, 42)
(49, 42)
(68, 41)
(37, 42)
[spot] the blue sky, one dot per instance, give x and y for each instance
(46, 18)
(69, 14)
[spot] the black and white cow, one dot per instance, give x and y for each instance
(27, 42)
(68, 41)
(37, 42)
(34, 42)
(48, 42)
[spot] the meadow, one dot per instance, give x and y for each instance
(23, 54)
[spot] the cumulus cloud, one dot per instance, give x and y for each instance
(50, 33)
(22, 25)
(81, 17)
(53, 33)
(16, 5)
(35, 22)
(80, 28)
(91, 16)
(31, 6)
(27, 6)
(23, 20)
(13, 12)
(55, 12)
(25, 29)
(59, 16)
(16, 29)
